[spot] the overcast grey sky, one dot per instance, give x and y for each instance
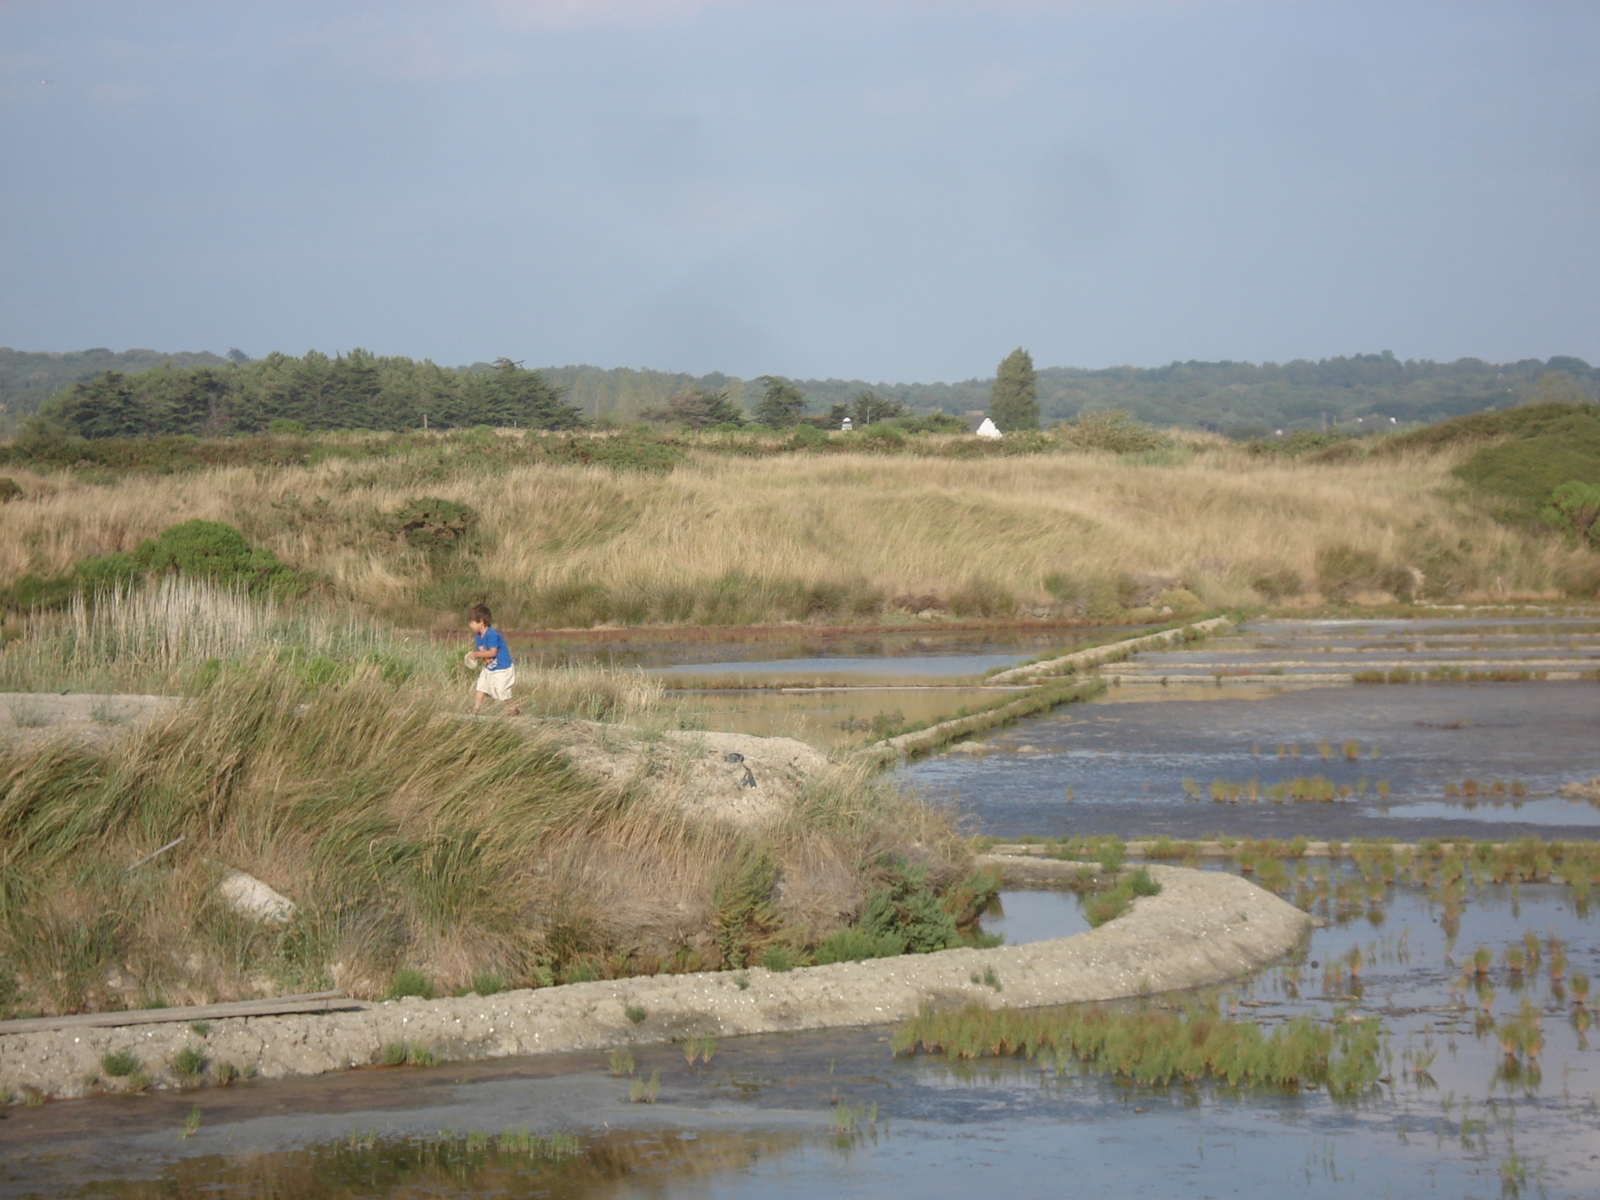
(895, 191)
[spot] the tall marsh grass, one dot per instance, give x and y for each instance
(729, 539)
(160, 632)
(175, 634)
(415, 842)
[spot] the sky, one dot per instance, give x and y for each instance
(901, 190)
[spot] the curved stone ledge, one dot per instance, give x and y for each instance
(1204, 928)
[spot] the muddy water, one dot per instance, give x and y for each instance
(1452, 1116)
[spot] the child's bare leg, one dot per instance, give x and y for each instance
(511, 707)
(477, 701)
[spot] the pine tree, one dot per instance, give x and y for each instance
(1013, 400)
(782, 406)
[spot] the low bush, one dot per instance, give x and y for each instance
(880, 436)
(1575, 507)
(409, 982)
(119, 1063)
(1100, 907)
(189, 1063)
(435, 525)
(1113, 431)
(856, 944)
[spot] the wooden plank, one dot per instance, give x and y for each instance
(309, 1002)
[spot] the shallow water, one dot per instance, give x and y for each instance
(757, 1120)
(1035, 915)
(890, 652)
(1126, 764)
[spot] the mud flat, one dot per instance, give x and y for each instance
(1203, 928)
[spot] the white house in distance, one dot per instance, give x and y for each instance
(988, 429)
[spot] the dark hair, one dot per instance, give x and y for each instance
(480, 612)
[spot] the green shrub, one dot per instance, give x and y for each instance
(1111, 854)
(1142, 884)
(778, 957)
(740, 899)
(1181, 601)
(1101, 907)
(189, 1062)
(409, 982)
(119, 1063)
(285, 427)
(211, 550)
(617, 453)
(435, 525)
(806, 437)
(931, 423)
(407, 1054)
(582, 971)
(906, 907)
(1575, 507)
(1113, 431)
(9, 489)
(880, 436)
(855, 945)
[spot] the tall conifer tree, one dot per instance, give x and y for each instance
(1014, 400)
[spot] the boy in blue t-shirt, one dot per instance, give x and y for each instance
(489, 648)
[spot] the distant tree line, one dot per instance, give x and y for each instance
(357, 390)
(158, 393)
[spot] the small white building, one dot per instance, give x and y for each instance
(988, 429)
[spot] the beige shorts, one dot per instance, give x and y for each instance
(497, 684)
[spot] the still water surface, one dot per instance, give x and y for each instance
(1451, 1117)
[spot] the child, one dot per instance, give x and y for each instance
(489, 648)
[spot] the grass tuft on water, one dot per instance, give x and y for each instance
(1157, 1047)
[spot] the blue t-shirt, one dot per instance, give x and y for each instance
(490, 639)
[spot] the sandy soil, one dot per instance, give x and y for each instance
(1204, 928)
(29, 718)
(729, 776)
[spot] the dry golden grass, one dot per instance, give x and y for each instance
(408, 837)
(855, 530)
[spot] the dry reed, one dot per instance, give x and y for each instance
(410, 838)
(726, 538)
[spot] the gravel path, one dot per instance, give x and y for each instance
(1204, 928)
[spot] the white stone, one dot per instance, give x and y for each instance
(248, 895)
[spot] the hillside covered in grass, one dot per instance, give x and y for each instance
(421, 850)
(1100, 519)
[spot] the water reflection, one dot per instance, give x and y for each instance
(454, 1164)
(1451, 1110)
